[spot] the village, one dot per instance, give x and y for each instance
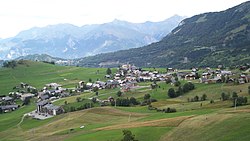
(126, 78)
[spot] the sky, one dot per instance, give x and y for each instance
(18, 15)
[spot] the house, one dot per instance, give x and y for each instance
(44, 97)
(112, 84)
(7, 98)
(45, 107)
(27, 95)
(181, 75)
(40, 105)
(101, 84)
(53, 85)
(8, 108)
(81, 84)
(52, 109)
(190, 76)
(89, 85)
(206, 75)
(170, 70)
(107, 76)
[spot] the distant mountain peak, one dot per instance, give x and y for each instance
(70, 41)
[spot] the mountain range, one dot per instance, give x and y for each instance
(208, 39)
(69, 41)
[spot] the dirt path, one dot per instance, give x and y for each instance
(18, 125)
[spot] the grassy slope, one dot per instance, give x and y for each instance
(38, 74)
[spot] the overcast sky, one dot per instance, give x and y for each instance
(18, 15)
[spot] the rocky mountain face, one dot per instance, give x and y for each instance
(69, 41)
(208, 39)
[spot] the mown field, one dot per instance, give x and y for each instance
(217, 121)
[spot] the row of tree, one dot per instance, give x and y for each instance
(172, 93)
(125, 102)
(197, 98)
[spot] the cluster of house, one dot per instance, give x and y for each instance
(50, 92)
(8, 104)
(215, 76)
(127, 77)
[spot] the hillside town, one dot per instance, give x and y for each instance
(126, 78)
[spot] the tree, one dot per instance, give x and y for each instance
(235, 95)
(240, 101)
(94, 99)
(203, 97)
(78, 99)
(179, 91)
(95, 89)
(147, 96)
(196, 98)
(65, 102)
(224, 96)
(177, 83)
(185, 88)
(133, 101)
(109, 72)
(90, 80)
(119, 93)
(171, 93)
(128, 136)
(96, 93)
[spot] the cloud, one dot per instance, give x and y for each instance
(17, 15)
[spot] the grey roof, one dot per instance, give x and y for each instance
(51, 107)
(7, 98)
(45, 97)
(42, 103)
(8, 107)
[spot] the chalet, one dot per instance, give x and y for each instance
(170, 70)
(52, 109)
(241, 81)
(102, 84)
(8, 108)
(112, 84)
(7, 98)
(44, 97)
(45, 107)
(108, 76)
(210, 81)
(27, 95)
(89, 85)
(81, 84)
(181, 75)
(190, 76)
(64, 94)
(206, 75)
(53, 85)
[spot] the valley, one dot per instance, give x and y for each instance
(190, 121)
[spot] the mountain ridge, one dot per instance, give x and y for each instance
(70, 41)
(207, 39)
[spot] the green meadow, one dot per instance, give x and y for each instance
(217, 121)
